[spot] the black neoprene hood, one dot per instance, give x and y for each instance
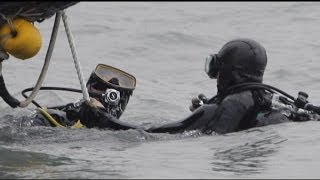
(243, 60)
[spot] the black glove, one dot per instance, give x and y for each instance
(301, 100)
(197, 102)
(89, 114)
(11, 101)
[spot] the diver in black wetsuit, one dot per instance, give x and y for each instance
(242, 101)
(239, 61)
(109, 88)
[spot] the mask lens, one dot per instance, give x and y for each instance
(108, 74)
(212, 66)
(207, 64)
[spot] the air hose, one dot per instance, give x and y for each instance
(49, 117)
(247, 86)
(92, 94)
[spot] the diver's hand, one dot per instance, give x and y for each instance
(90, 112)
(197, 102)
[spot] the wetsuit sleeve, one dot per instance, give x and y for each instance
(96, 117)
(231, 112)
(235, 112)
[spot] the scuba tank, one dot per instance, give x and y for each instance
(270, 98)
(306, 112)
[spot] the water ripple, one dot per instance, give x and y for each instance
(248, 158)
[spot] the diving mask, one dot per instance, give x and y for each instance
(116, 78)
(112, 87)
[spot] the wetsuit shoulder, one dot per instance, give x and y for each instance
(233, 113)
(243, 98)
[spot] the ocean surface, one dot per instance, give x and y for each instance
(164, 45)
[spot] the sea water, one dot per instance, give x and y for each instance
(164, 45)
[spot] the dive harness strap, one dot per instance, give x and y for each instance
(247, 86)
(44, 112)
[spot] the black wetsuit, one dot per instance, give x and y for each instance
(70, 114)
(242, 61)
(235, 112)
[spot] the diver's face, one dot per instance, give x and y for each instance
(97, 91)
(114, 109)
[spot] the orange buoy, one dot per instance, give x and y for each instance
(22, 44)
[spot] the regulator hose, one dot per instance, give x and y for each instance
(247, 86)
(92, 94)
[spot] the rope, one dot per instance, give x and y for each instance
(13, 30)
(46, 63)
(75, 57)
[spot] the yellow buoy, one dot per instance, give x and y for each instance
(23, 44)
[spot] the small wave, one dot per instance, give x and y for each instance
(173, 37)
(19, 164)
(249, 155)
(301, 6)
(96, 29)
